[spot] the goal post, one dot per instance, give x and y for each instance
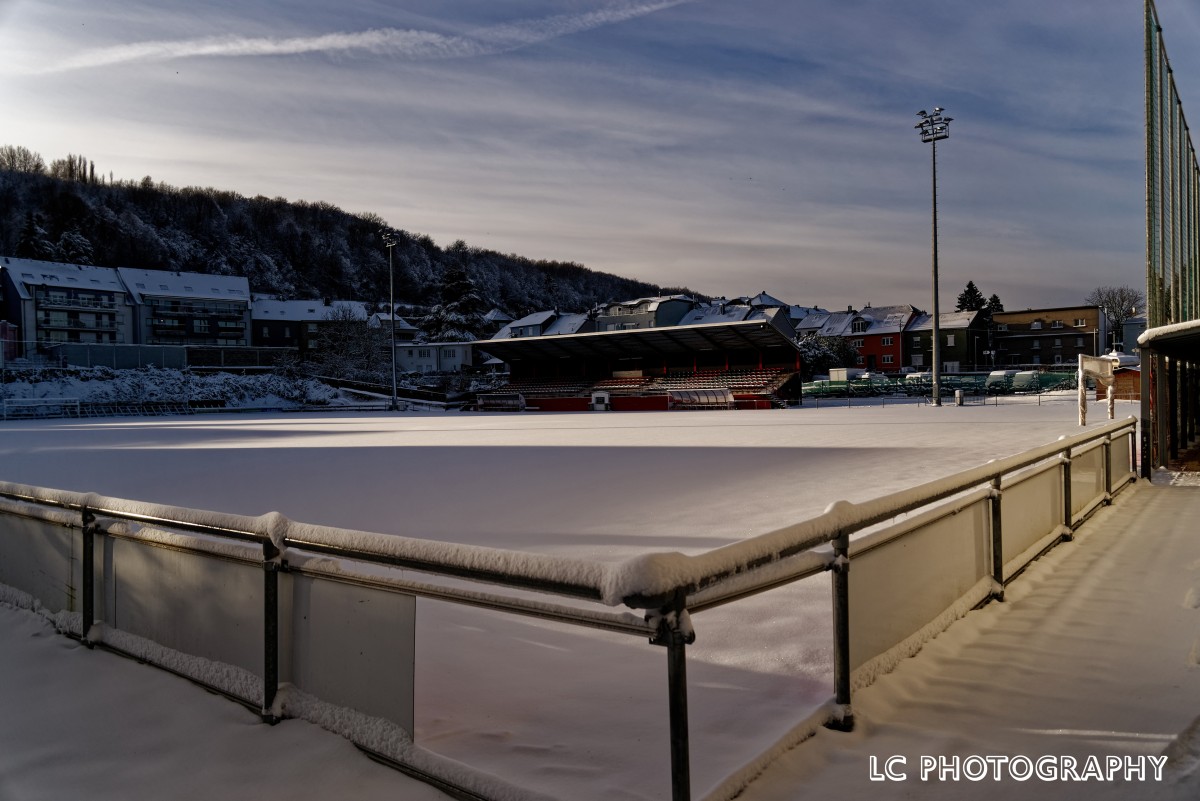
(1102, 369)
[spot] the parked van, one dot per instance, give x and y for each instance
(1026, 381)
(999, 382)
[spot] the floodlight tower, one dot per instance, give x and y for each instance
(934, 127)
(390, 241)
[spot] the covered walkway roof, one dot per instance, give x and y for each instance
(1179, 341)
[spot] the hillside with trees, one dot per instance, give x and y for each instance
(64, 211)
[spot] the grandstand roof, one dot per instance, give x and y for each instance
(772, 330)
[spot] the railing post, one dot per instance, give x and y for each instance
(841, 633)
(88, 612)
(1108, 470)
(1068, 518)
(675, 636)
(270, 630)
(997, 542)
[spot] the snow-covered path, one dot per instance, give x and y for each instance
(1096, 651)
(79, 723)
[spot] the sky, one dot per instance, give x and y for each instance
(731, 147)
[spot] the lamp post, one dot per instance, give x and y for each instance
(934, 127)
(389, 240)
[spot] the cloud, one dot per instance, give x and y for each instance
(414, 45)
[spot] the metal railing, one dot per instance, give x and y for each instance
(989, 506)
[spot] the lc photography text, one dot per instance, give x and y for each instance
(1049, 768)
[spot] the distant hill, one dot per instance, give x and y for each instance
(292, 249)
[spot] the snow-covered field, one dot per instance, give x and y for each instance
(574, 714)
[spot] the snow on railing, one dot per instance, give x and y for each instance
(989, 507)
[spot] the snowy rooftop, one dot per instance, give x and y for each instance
(497, 316)
(924, 321)
(565, 324)
(160, 283)
(536, 318)
(305, 310)
(716, 312)
(837, 324)
(890, 324)
(28, 272)
(379, 319)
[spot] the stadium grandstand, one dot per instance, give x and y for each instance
(660, 353)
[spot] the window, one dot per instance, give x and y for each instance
(856, 343)
(918, 360)
(265, 332)
(1056, 324)
(1001, 326)
(423, 353)
(1058, 359)
(1079, 342)
(1035, 345)
(887, 341)
(859, 326)
(200, 326)
(916, 342)
(1036, 325)
(1057, 342)
(859, 359)
(1035, 359)
(311, 327)
(1080, 322)
(950, 340)
(287, 332)
(887, 358)
(450, 353)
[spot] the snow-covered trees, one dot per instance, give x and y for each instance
(459, 317)
(291, 249)
(820, 353)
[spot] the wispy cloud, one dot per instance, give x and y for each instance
(413, 45)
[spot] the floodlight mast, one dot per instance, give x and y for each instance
(934, 127)
(390, 241)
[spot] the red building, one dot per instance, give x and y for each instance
(877, 334)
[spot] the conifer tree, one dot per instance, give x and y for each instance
(970, 299)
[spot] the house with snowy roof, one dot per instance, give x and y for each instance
(434, 357)
(877, 336)
(405, 331)
(630, 315)
(494, 320)
(964, 338)
(298, 323)
(176, 308)
(59, 303)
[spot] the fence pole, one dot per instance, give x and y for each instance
(1068, 517)
(841, 632)
(270, 630)
(1108, 470)
(997, 542)
(89, 575)
(671, 634)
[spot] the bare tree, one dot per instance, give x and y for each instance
(1119, 303)
(21, 159)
